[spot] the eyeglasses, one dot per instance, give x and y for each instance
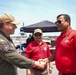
(59, 21)
(38, 34)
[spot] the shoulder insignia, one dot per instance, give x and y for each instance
(6, 47)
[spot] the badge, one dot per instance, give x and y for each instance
(66, 40)
(6, 48)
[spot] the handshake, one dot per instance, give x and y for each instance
(40, 63)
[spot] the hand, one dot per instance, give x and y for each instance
(45, 60)
(50, 69)
(40, 64)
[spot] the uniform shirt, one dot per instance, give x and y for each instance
(37, 51)
(10, 58)
(66, 52)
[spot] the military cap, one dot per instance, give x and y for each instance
(8, 18)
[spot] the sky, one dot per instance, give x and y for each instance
(33, 11)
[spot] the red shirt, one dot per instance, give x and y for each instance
(35, 51)
(66, 52)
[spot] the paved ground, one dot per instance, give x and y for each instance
(23, 71)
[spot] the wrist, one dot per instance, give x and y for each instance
(35, 63)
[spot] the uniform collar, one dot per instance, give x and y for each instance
(39, 43)
(67, 32)
(2, 33)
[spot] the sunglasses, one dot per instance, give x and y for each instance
(59, 21)
(38, 34)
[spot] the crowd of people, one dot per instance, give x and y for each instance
(37, 53)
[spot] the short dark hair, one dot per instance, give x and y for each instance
(66, 17)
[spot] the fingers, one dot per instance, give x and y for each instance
(44, 60)
(40, 64)
(50, 69)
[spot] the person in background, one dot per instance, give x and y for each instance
(53, 45)
(37, 50)
(65, 53)
(10, 59)
(29, 39)
(32, 38)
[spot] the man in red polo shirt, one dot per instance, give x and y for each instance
(65, 54)
(37, 50)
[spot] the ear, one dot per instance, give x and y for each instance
(68, 22)
(5, 24)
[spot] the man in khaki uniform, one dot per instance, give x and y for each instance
(9, 57)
